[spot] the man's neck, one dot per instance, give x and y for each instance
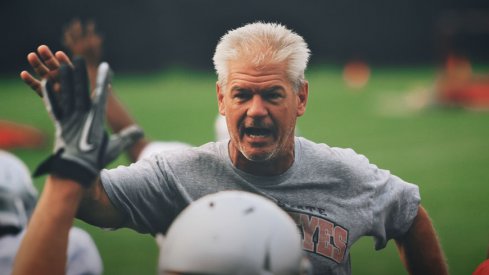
(273, 167)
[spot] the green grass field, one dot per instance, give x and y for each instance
(445, 152)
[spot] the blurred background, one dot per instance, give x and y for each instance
(153, 34)
(404, 82)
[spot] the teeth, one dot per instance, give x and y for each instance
(251, 135)
(257, 132)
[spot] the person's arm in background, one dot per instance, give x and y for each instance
(119, 118)
(419, 248)
(83, 40)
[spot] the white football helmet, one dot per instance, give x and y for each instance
(233, 232)
(18, 196)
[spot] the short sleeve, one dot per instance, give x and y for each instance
(395, 205)
(390, 204)
(143, 194)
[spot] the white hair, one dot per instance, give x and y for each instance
(263, 43)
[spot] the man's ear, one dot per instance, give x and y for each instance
(302, 96)
(220, 98)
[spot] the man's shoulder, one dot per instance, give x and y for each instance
(328, 158)
(210, 147)
(210, 151)
(322, 149)
(156, 147)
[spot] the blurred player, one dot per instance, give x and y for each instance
(15, 135)
(18, 198)
(356, 74)
(483, 268)
(458, 86)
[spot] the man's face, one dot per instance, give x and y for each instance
(261, 108)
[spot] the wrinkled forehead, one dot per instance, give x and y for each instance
(243, 72)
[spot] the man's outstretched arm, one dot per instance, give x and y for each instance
(420, 249)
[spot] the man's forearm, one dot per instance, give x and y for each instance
(420, 249)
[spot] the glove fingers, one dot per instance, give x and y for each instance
(81, 88)
(66, 96)
(96, 115)
(104, 76)
(50, 99)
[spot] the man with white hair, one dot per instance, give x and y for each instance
(18, 198)
(334, 195)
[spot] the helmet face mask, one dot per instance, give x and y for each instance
(12, 211)
(18, 195)
(232, 232)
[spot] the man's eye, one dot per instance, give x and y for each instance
(241, 96)
(273, 96)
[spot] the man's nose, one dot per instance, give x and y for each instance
(257, 107)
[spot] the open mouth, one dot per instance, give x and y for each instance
(257, 132)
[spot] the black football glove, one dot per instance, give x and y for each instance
(82, 147)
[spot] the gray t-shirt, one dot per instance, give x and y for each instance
(335, 195)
